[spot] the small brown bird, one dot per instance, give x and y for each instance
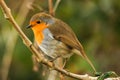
(55, 38)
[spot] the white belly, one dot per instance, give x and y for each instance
(49, 44)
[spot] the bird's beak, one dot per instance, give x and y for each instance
(29, 26)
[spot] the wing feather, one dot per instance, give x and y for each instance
(61, 31)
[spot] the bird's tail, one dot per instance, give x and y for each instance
(89, 61)
(82, 53)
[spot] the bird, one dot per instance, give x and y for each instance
(55, 38)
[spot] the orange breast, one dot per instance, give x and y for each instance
(38, 32)
(39, 37)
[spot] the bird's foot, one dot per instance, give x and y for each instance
(53, 59)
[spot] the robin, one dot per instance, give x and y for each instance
(55, 38)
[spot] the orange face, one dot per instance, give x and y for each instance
(38, 27)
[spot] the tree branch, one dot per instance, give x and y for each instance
(9, 48)
(50, 4)
(56, 5)
(39, 56)
(52, 9)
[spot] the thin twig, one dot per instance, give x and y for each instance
(50, 4)
(40, 58)
(56, 5)
(9, 16)
(7, 58)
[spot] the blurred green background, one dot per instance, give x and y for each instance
(95, 22)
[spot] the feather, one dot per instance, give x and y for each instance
(62, 32)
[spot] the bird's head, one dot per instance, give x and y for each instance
(40, 21)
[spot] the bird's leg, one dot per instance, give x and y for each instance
(53, 59)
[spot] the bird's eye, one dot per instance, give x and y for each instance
(38, 22)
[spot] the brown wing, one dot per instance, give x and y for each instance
(65, 34)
